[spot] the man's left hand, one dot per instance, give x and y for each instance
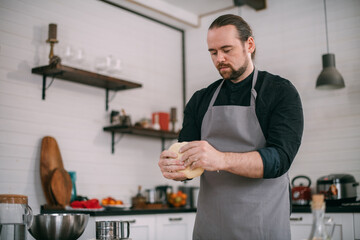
(202, 154)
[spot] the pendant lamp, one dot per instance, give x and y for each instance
(329, 78)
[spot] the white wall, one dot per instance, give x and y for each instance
(290, 38)
(73, 113)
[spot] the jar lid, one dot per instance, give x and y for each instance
(13, 199)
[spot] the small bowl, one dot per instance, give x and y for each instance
(58, 226)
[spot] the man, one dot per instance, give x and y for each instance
(245, 131)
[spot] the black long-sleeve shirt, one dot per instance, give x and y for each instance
(278, 109)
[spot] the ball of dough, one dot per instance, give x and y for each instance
(188, 172)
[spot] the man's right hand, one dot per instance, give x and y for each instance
(170, 165)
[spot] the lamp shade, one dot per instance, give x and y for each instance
(329, 78)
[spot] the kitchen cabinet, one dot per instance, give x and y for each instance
(175, 226)
(301, 223)
(146, 132)
(84, 77)
(357, 225)
(141, 226)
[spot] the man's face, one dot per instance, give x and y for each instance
(230, 56)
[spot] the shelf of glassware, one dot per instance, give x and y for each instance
(84, 77)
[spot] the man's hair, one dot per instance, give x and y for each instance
(243, 28)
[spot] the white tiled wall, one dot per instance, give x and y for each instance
(290, 38)
(73, 113)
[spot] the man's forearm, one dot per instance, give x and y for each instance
(247, 164)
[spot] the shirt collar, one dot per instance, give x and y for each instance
(235, 86)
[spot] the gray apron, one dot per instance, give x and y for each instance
(231, 206)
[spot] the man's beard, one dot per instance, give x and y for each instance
(235, 74)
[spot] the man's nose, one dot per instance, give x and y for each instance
(220, 57)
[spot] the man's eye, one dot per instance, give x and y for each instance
(227, 50)
(213, 53)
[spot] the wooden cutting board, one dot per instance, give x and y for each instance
(61, 186)
(49, 161)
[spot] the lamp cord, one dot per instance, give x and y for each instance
(326, 28)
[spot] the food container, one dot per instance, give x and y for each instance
(163, 118)
(338, 188)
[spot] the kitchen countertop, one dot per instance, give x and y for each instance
(116, 212)
(347, 208)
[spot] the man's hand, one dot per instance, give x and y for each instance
(202, 154)
(170, 165)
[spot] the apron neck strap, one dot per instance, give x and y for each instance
(253, 92)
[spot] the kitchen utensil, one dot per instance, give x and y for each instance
(150, 195)
(337, 188)
(162, 193)
(49, 161)
(58, 226)
(112, 230)
(61, 186)
(15, 216)
(301, 195)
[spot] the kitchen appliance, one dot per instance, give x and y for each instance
(192, 194)
(162, 193)
(337, 188)
(300, 194)
(150, 195)
(58, 226)
(15, 217)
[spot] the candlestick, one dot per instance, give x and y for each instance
(52, 39)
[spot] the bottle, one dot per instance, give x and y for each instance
(156, 124)
(73, 181)
(318, 229)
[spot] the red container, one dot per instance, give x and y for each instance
(164, 119)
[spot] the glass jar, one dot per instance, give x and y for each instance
(15, 216)
(318, 229)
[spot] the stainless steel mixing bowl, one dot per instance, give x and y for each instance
(58, 226)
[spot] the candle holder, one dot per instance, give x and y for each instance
(52, 39)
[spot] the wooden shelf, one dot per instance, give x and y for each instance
(84, 77)
(146, 132)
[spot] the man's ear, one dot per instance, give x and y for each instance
(250, 44)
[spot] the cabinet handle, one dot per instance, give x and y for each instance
(175, 219)
(132, 221)
(296, 219)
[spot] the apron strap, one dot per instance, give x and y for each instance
(253, 92)
(215, 95)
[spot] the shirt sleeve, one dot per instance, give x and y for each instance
(285, 128)
(190, 131)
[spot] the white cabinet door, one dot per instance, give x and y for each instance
(301, 225)
(357, 225)
(177, 226)
(142, 227)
